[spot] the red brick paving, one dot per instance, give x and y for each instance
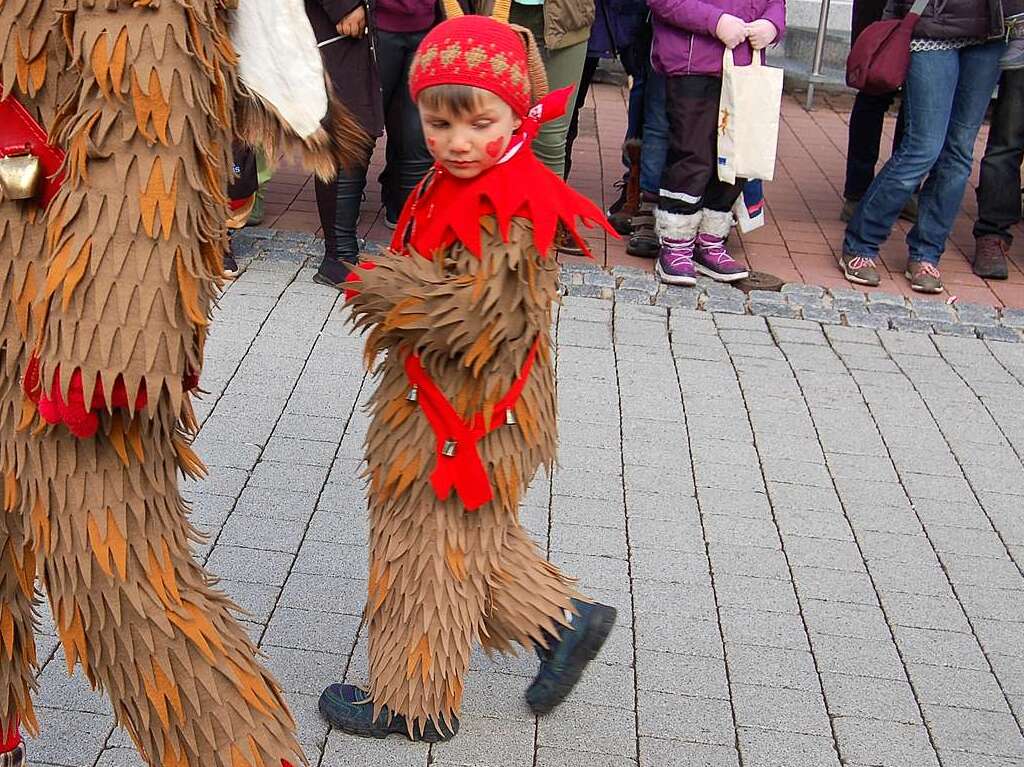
(800, 239)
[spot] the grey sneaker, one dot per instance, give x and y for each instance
(644, 241)
(859, 270)
(924, 277)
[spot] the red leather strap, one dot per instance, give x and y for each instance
(18, 131)
(462, 471)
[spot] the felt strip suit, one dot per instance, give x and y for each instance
(112, 287)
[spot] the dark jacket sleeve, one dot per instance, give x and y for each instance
(336, 10)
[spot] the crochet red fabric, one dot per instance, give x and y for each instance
(477, 51)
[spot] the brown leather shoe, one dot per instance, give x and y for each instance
(990, 257)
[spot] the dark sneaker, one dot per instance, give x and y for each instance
(231, 268)
(621, 212)
(859, 270)
(924, 277)
(644, 242)
(675, 262)
(562, 664)
(390, 221)
(349, 709)
(712, 259)
(849, 208)
(333, 272)
(1014, 56)
(13, 758)
(990, 257)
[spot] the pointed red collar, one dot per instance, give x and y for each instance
(444, 209)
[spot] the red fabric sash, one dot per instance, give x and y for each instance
(463, 471)
(11, 739)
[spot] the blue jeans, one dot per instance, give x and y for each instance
(944, 100)
(655, 133)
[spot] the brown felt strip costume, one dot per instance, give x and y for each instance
(441, 578)
(118, 279)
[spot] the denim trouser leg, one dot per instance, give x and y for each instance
(928, 113)
(999, 186)
(943, 192)
(655, 133)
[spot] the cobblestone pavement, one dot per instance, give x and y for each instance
(813, 533)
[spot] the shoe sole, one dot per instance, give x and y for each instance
(370, 730)
(585, 652)
(687, 282)
(719, 277)
(232, 275)
(652, 253)
(321, 280)
(851, 277)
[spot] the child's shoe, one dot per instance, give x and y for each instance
(562, 664)
(644, 240)
(231, 268)
(713, 259)
(675, 262)
(13, 758)
(12, 747)
(349, 709)
(711, 256)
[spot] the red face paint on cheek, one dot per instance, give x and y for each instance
(495, 148)
(432, 143)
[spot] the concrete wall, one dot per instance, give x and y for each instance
(797, 50)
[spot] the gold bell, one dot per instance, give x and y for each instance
(510, 417)
(449, 448)
(19, 175)
(413, 394)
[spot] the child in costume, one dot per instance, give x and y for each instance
(694, 207)
(109, 266)
(465, 409)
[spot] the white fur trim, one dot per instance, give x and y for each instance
(676, 226)
(279, 61)
(717, 223)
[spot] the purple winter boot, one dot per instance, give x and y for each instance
(675, 262)
(711, 257)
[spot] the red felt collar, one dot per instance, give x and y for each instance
(444, 209)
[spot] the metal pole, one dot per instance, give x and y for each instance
(819, 52)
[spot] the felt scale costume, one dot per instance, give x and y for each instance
(107, 292)
(465, 410)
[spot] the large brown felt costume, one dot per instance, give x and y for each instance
(110, 289)
(464, 415)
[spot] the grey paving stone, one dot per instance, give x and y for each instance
(858, 657)
(886, 744)
(343, 750)
(961, 687)
(922, 611)
(775, 708)
(772, 667)
(763, 629)
(605, 729)
(862, 319)
(765, 594)
(558, 757)
(847, 620)
(680, 717)
(678, 634)
(333, 633)
(834, 585)
(679, 674)
(763, 748)
(73, 738)
(749, 560)
(269, 568)
(870, 698)
(656, 752)
(261, 533)
(981, 732)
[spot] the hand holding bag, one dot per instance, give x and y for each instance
(748, 120)
(880, 55)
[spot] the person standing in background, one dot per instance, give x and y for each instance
(399, 26)
(341, 28)
(866, 120)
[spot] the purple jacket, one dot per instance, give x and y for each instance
(684, 33)
(404, 15)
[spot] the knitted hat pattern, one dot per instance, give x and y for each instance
(478, 51)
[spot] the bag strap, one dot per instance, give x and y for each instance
(918, 7)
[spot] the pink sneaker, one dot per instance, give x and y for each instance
(675, 262)
(714, 260)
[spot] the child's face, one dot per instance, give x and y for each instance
(467, 144)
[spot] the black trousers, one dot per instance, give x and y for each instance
(589, 67)
(999, 186)
(866, 121)
(690, 181)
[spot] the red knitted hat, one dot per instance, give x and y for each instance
(479, 51)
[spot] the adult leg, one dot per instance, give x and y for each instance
(943, 192)
(865, 136)
(589, 68)
(338, 202)
(406, 157)
(927, 110)
(999, 203)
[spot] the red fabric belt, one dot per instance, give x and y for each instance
(463, 470)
